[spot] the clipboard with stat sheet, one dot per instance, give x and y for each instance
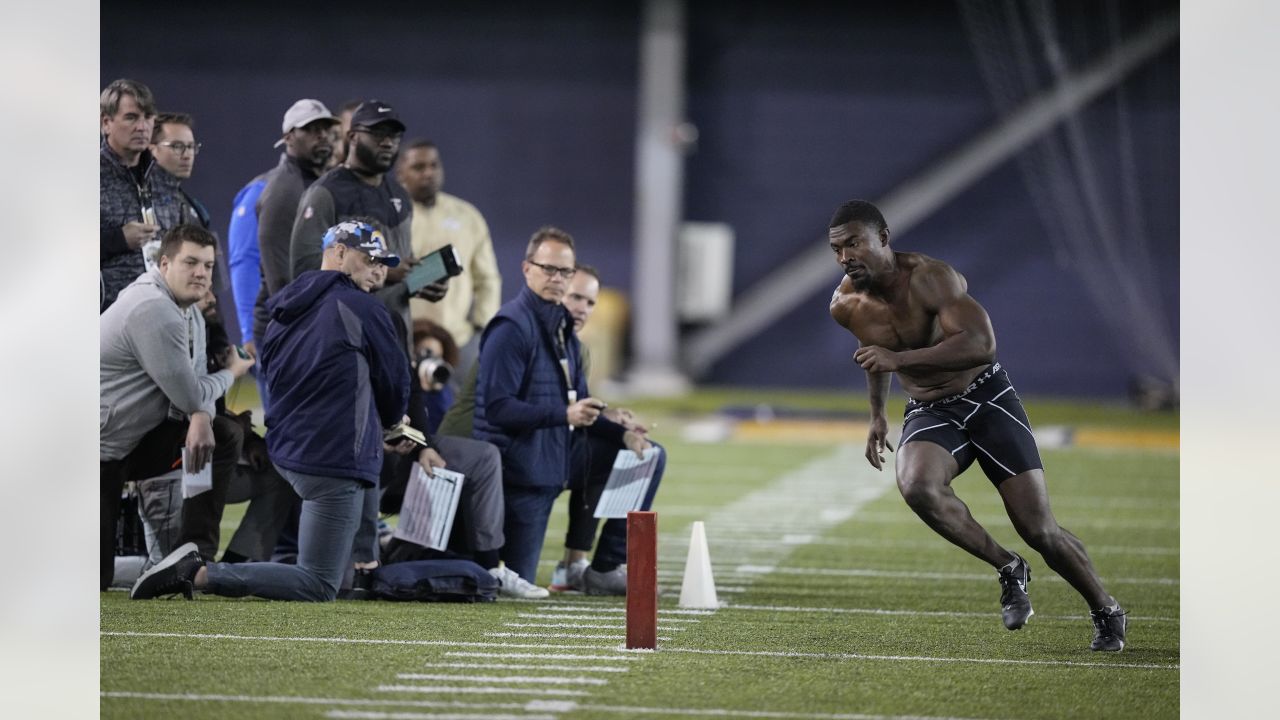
(628, 483)
(430, 504)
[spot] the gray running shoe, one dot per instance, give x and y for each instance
(1014, 603)
(613, 582)
(1109, 626)
(174, 574)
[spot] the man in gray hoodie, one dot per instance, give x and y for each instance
(152, 368)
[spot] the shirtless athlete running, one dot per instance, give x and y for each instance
(912, 316)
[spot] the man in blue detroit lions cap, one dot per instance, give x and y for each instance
(361, 236)
(338, 376)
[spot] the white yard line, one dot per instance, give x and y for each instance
(925, 613)
(495, 690)
(579, 626)
(536, 679)
(587, 607)
(305, 700)
(356, 641)
(559, 616)
(525, 666)
(735, 713)
(543, 656)
(533, 706)
(566, 636)
(919, 658)
(994, 520)
(809, 499)
(917, 575)
(402, 715)
(674, 541)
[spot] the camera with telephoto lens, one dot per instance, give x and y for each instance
(432, 369)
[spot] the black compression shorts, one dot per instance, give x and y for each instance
(986, 422)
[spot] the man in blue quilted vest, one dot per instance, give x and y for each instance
(532, 398)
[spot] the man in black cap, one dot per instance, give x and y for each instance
(361, 186)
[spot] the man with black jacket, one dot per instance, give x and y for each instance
(363, 187)
(132, 209)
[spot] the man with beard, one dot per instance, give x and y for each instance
(913, 316)
(362, 187)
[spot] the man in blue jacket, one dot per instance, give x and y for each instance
(338, 375)
(531, 397)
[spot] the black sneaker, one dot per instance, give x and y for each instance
(1014, 603)
(174, 574)
(361, 586)
(1109, 625)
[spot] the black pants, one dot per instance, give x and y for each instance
(159, 452)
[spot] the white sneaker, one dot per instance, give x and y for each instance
(510, 584)
(568, 579)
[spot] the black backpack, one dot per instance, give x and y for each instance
(441, 580)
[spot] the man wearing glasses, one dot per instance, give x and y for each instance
(531, 396)
(361, 186)
(174, 146)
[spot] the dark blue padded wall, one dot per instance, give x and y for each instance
(533, 105)
(800, 106)
(805, 105)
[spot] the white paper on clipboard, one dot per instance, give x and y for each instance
(430, 504)
(628, 483)
(194, 483)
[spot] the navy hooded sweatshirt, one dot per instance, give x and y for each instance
(337, 375)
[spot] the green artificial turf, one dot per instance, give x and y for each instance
(881, 617)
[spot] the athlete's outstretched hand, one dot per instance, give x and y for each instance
(877, 441)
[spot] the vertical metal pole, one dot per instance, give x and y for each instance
(642, 580)
(659, 191)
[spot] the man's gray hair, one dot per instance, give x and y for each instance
(110, 100)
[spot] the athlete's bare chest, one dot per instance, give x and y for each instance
(901, 325)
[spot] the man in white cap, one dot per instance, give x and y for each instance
(308, 143)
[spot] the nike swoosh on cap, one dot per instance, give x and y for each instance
(382, 109)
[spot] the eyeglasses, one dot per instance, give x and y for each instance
(381, 134)
(551, 270)
(181, 148)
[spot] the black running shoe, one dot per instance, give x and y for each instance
(1014, 603)
(1109, 625)
(361, 586)
(174, 574)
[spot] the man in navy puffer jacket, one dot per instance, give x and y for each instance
(531, 396)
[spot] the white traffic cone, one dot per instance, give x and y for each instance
(699, 588)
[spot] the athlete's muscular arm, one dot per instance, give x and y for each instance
(878, 433)
(968, 339)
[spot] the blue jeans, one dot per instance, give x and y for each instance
(528, 507)
(331, 509)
